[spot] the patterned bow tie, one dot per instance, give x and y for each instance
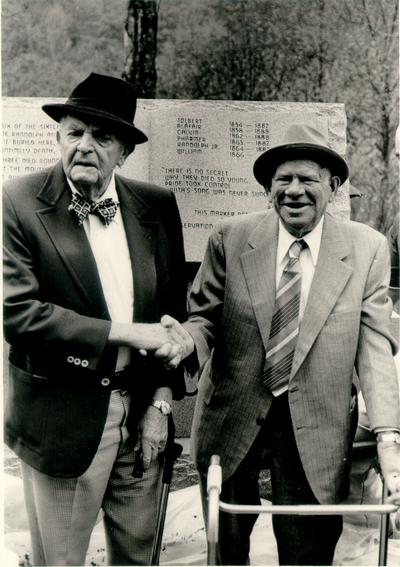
(81, 207)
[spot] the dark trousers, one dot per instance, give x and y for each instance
(301, 540)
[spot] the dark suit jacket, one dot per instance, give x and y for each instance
(56, 319)
(345, 326)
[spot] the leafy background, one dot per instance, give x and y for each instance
(280, 50)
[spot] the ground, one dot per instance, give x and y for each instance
(184, 476)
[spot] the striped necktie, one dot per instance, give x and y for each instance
(285, 323)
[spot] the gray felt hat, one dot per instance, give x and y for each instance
(300, 142)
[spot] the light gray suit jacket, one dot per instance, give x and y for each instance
(345, 327)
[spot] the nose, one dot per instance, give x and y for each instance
(295, 188)
(85, 144)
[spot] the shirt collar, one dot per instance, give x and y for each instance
(110, 192)
(313, 239)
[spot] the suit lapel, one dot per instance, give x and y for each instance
(258, 265)
(70, 240)
(330, 277)
(141, 227)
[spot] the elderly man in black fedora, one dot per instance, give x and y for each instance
(287, 303)
(92, 261)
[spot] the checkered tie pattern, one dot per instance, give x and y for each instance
(81, 207)
(285, 322)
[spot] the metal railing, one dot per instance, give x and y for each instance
(389, 505)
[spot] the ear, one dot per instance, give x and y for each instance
(122, 157)
(268, 192)
(124, 154)
(335, 184)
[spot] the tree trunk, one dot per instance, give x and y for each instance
(141, 36)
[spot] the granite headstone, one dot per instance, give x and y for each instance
(203, 151)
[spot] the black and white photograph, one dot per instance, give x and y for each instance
(201, 282)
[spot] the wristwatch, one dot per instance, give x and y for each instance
(388, 437)
(164, 406)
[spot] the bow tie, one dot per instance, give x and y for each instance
(81, 207)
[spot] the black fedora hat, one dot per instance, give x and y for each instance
(300, 142)
(111, 101)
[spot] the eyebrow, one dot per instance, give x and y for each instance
(75, 125)
(101, 130)
(97, 130)
(310, 176)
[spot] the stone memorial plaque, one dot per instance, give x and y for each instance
(203, 151)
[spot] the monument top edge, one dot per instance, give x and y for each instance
(153, 103)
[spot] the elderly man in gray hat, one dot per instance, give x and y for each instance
(287, 303)
(92, 261)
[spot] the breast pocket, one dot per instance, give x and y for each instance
(344, 324)
(339, 337)
(343, 317)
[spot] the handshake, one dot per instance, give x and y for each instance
(166, 340)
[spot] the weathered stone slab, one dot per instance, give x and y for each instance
(202, 150)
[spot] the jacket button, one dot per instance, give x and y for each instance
(105, 381)
(77, 361)
(70, 359)
(84, 363)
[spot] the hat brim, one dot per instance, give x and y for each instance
(127, 130)
(265, 165)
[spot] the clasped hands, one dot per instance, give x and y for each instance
(168, 341)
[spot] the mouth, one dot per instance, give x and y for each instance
(83, 164)
(295, 205)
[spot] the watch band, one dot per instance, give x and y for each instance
(388, 437)
(162, 405)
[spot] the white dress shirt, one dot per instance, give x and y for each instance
(110, 250)
(308, 261)
(308, 258)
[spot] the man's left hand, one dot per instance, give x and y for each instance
(152, 435)
(180, 344)
(389, 460)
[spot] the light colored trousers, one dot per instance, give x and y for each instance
(62, 512)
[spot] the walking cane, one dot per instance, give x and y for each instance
(171, 453)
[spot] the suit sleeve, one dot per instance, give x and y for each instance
(375, 364)
(206, 298)
(29, 321)
(173, 295)
(174, 298)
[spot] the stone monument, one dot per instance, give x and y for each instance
(201, 150)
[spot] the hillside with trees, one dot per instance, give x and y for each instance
(274, 50)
